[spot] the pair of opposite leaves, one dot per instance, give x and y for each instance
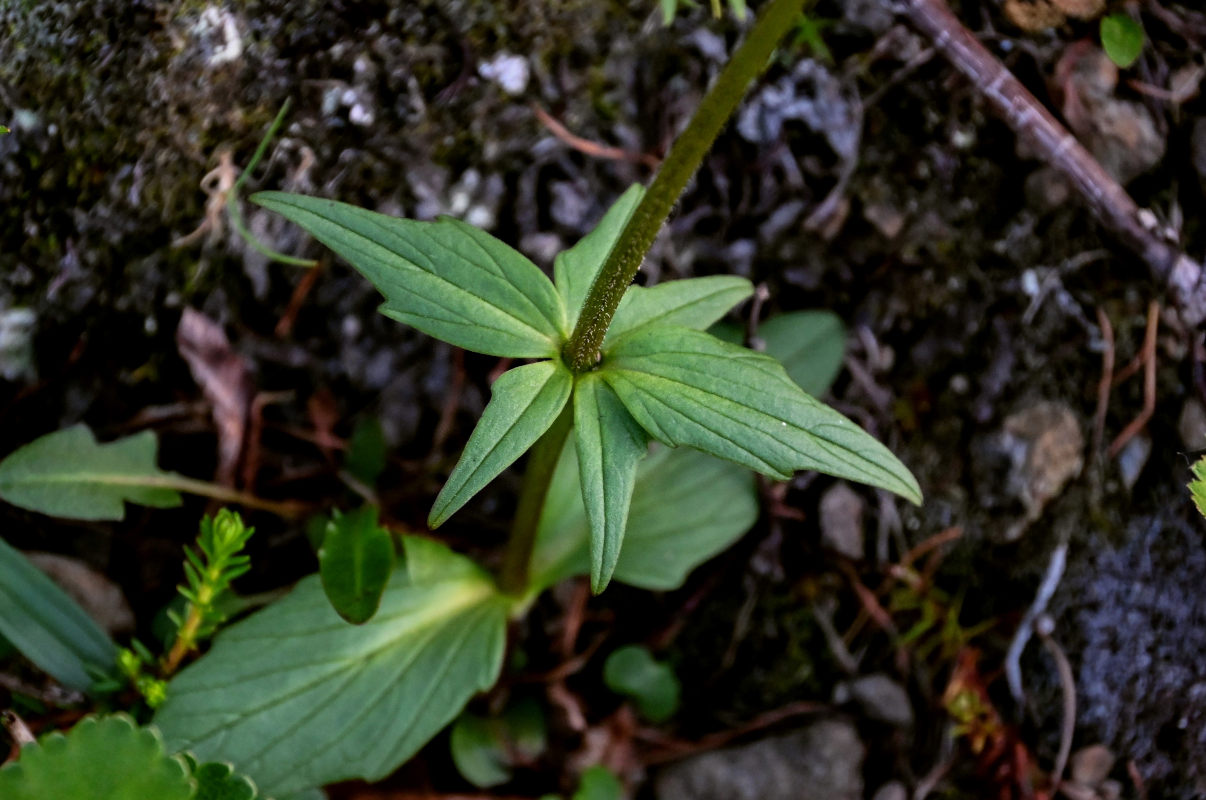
(661, 375)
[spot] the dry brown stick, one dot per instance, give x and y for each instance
(1107, 381)
(1149, 382)
(1067, 681)
(1105, 197)
(673, 750)
(593, 149)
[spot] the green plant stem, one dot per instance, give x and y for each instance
(236, 213)
(581, 352)
(186, 640)
(542, 462)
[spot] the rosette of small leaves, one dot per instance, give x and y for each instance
(136, 665)
(209, 571)
(659, 375)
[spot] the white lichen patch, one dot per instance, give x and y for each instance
(218, 30)
(507, 71)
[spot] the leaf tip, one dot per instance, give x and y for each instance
(599, 580)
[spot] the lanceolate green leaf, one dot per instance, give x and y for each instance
(692, 303)
(446, 278)
(67, 474)
(686, 508)
(355, 563)
(610, 444)
(525, 401)
(809, 344)
(295, 697)
(689, 388)
(575, 269)
(47, 626)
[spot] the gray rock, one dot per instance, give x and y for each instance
(1131, 616)
(1091, 765)
(1191, 425)
(820, 762)
(842, 521)
(16, 344)
(1038, 451)
(893, 790)
(883, 699)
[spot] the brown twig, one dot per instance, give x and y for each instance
(1107, 380)
(1067, 681)
(1148, 356)
(593, 149)
(933, 542)
(1132, 771)
(284, 327)
(1105, 197)
(452, 402)
(672, 750)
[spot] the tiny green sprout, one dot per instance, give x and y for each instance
(1197, 487)
(1122, 38)
(209, 574)
(4, 130)
(134, 663)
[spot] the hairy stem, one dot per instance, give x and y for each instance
(581, 352)
(542, 462)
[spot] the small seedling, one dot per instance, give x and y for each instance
(632, 671)
(209, 571)
(1197, 487)
(1122, 38)
(355, 561)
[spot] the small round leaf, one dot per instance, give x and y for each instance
(1122, 38)
(632, 671)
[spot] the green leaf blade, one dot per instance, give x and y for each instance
(366, 453)
(575, 269)
(610, 444)
(1197, 487)
(693, 303)
(633, 672)
(101, 758)
(599, 783)
(811, 346)
(687, 506)
(524, 403)
(1122, 38)
(48, 627)
(479, 751)
(68, 474)
(445, 278)
(295, 697)
(355, 563)
(218, 781)
(688, 388)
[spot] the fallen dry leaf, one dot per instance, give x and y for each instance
(225, 378)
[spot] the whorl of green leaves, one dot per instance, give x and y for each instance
(209, 571)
